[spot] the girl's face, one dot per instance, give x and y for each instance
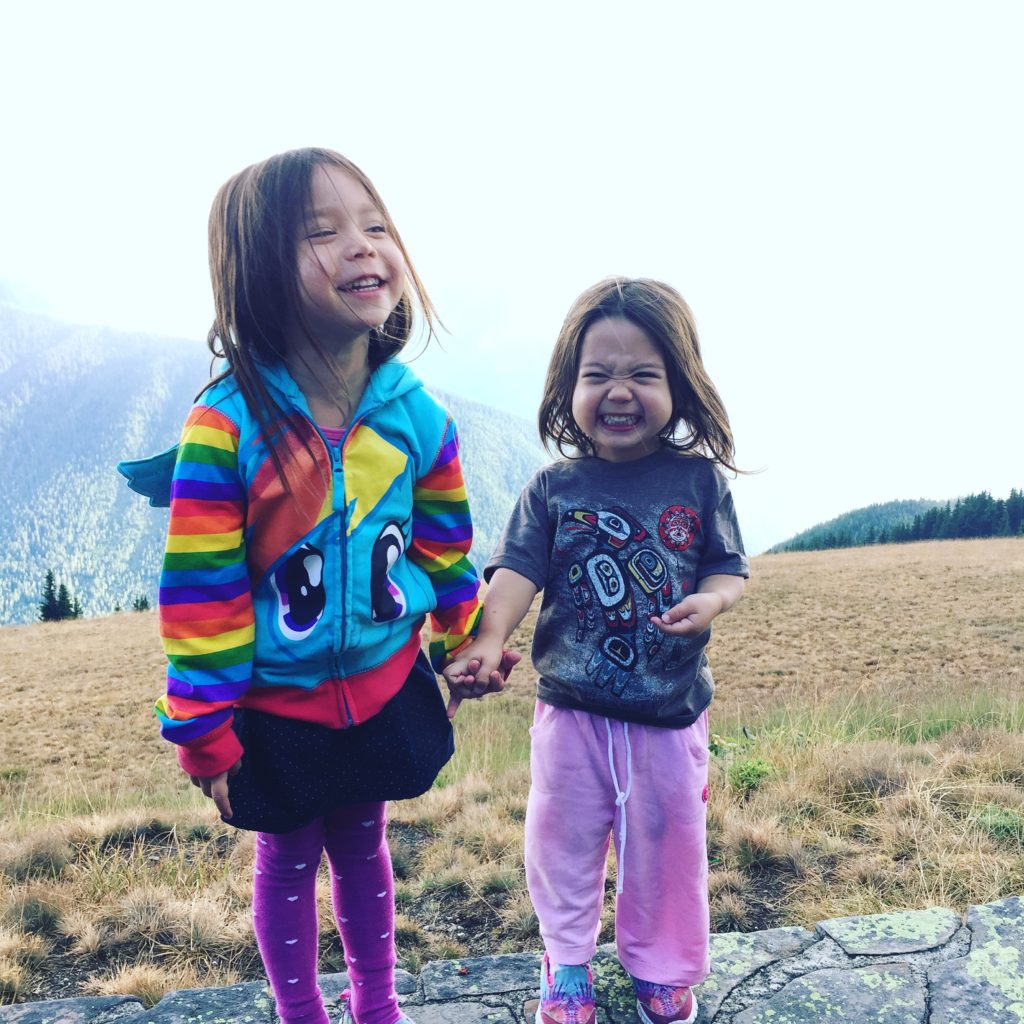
(621, 399)
(351, 271)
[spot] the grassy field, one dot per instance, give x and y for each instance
(868, 755)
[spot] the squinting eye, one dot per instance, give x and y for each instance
(379, 229)
(322, 233)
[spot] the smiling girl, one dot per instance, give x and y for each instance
(318, 515)
(634, 542)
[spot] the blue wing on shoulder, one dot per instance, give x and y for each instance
(151, 477)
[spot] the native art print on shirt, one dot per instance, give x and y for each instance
(620, 576)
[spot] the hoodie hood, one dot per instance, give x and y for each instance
(389, 381)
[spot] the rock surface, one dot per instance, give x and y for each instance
(922, 967)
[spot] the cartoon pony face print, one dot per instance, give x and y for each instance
(678, 527)
(299, 585)
(386, 597)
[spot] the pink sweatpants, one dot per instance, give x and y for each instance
(592, 778)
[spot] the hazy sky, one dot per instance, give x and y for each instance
(834, 187)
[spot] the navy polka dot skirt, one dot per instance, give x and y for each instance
(294, 772)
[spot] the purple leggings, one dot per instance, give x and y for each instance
(285, 913)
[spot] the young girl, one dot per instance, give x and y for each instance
(318, 513)
(635, 544)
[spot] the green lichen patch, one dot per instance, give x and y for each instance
(881, 995)
(1002, 920)
(735, 956)
(613, 988)
(892, 934)
(984, 987)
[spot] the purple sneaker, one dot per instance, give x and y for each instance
(664, 1004)
(567, 996)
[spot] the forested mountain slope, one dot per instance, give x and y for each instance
(75, 400)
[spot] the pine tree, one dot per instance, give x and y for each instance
(48, 607)
(63, 603)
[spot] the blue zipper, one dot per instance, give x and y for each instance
(339, 489)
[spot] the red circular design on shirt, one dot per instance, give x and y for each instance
(677, 527)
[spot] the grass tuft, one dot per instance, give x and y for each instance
(39, 856)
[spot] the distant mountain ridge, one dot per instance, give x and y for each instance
(75, 400)
(856, 526)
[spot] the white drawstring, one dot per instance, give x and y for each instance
(620, 799)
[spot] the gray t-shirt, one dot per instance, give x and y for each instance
(610, 544)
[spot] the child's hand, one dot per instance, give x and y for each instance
(216, 787)
(479, 670)
(691, 616)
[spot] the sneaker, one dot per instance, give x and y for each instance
(664, 1004)
(346, 1011)
(567, 996)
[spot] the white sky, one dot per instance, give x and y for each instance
(834, 187)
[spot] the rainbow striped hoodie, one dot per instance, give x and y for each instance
(308, 604)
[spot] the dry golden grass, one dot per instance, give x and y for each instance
(869, 755)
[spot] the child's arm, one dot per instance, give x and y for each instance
(693, 615)
(442, 534)
(482, 666)
(206, 614)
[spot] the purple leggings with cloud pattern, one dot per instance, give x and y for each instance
(285, 913)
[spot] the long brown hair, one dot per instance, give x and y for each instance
(254, 223)
(699, 422)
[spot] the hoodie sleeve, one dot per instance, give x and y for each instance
(206, 613)
(442, 534)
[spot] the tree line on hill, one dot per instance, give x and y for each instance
(977, 515)
(58, 604)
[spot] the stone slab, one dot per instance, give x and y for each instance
(90, 1010)
(461, 1013)
(882, 995)
(480, 975)
(735, 956)
(249, 1003)
(893, 934)
(1002, 920)
(987, 985)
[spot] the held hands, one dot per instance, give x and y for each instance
(216, 787)
(480, 669)
(691, 616)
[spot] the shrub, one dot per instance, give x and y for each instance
(1000, 823)
(746, 774)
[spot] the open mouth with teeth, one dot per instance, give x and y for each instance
(619, 420)
(363, 284)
